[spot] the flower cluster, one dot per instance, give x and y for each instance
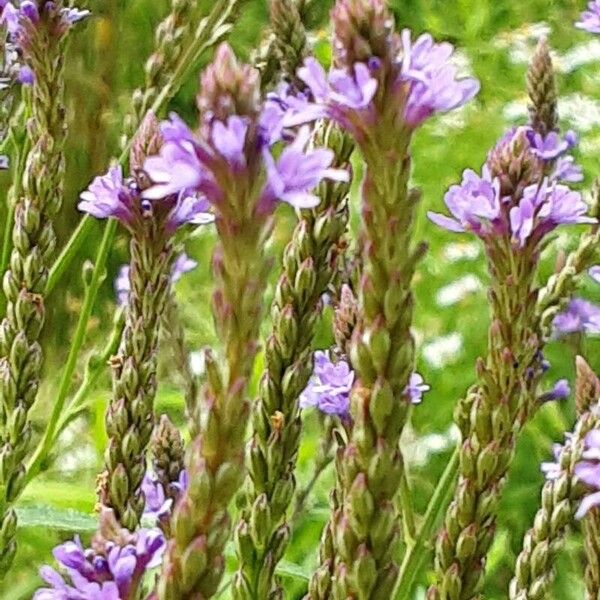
(19, 19)
(113, 196)
(590, 19)
(481, 205)
(425, 83)
(182, 264)
(159, 502)
(331, 383)
(109, 570)
(580, 316)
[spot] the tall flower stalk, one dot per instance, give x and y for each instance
(380, 100)
(130, 416)
(308, 268)
(521, 196)
(229, 163)
(534, 571)
(39, 30)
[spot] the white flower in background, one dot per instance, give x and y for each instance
(443, 350)
(457, 290)
(418, 450)
(457, 251)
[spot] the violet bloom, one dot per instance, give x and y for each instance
(590, 19)
(433, 83)
(111, 195)
(329, 387)
(566, 170)
(416, 388)
(560, 391)
(14, 17)
(552, 145)
(552, 469)
(474, 205)
(587, 470)
(112, 574)
(159, 502)
(297, 172)
(594, 273)
(186, 164)
(580, 316)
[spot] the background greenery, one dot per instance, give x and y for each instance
(495, 39)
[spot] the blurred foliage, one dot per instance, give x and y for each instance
(104, 66)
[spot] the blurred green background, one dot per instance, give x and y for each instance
(495, 39)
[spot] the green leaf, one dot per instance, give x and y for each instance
(292, 570)
(56, 518)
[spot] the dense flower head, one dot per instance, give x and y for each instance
(331, 383)
(512, 197)
(109, 570)
(580, 316)
(587, 470)
(234, 152)
(20, 20)
(111, 195)
(181, 265)
(590, 18)
(424, 83)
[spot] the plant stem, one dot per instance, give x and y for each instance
(407, 511)
(415, 556)
(45, 446)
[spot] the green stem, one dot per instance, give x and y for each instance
(211, 30)
(45, 446)
(414, 557)
(407, 511)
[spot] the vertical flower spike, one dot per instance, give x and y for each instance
(534, 570)
(511, 206)
(130, 416)
(230, 163)
(541, 87)
(309, 265)
(170, 37)
(383, 87)
(40, 34)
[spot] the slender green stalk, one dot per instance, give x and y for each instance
(415, 557)
(45, 446)
(407, 511)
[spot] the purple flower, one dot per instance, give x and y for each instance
(580, 316)
(433, 85)
(590, 19)
(111, 196)
(552, 145)
(560, 391)
(474, 205)
(594, 273)
(13, 18)
(112, 573)
(587, 470)
(159, 502)
(185, 165)
(297, 172)
(552, 470)
(108, 196)
(566, 170)
(416, 388)
(329, 387)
